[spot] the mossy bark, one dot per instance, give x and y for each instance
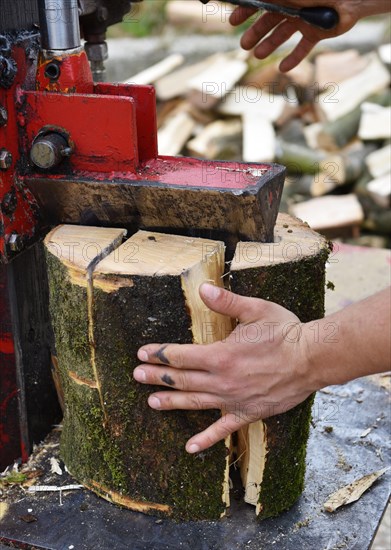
(155, 466)
(290, 272)
(112, 442)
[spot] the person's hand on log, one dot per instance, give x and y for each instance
(270, 363)
(271, 30)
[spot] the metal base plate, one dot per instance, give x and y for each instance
(337, 455)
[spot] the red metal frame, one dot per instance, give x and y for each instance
(18, 211)
(11, 443)
(112, 132)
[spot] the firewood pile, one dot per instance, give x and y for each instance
(328, 121)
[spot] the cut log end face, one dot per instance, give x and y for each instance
(294, 241)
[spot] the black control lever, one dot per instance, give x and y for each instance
(322, 17)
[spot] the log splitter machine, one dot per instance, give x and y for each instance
(78, 151)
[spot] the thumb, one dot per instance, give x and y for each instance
(247, 310)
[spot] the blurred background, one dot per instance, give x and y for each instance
(328, 120)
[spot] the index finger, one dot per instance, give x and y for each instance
(240, 15)
(181, 356)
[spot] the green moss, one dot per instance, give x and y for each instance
(152, 443)
(298, 286)
(110, 435)
(283, 480)
(86, 447)
(69, 314)
(13, 478)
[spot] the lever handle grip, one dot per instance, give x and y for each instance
(321, 17)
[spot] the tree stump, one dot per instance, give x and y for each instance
(104, 307)
(290, 272)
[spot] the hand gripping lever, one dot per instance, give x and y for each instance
(322, 17)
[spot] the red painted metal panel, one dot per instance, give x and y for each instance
(102, 128)
(75, 74)
(10, 440)
(145, 102)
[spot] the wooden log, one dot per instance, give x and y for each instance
(375, 122)
(112, 441)
(379, 222)
(384, 52)
(380, 190)
(175, 84)
(298, 159)
(335, 67)
(259, 138)
(175, 131)
(336, 134)
(379, 162)
(208, 88)
(291, 272)
(311, 134)
(350, 93)
(293, 132)
(159, 70)
(338, 170)
(268, 77)
(71, 253)
(299, 184)
(332, 215)
(222, 139)
(253, 101)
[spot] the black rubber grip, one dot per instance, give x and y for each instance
(323, 18)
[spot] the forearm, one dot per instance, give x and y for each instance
(351, 343)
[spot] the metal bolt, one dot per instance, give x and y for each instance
(3, 116)
(14, 242)
(9, 202)
(5, 159)
(96, 52)
(49, 150)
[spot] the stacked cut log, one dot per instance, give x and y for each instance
(106, 300)
(323, 120)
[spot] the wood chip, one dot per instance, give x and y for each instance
(366, 432)
(53, 488)
(55, 467)
(352, 492)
